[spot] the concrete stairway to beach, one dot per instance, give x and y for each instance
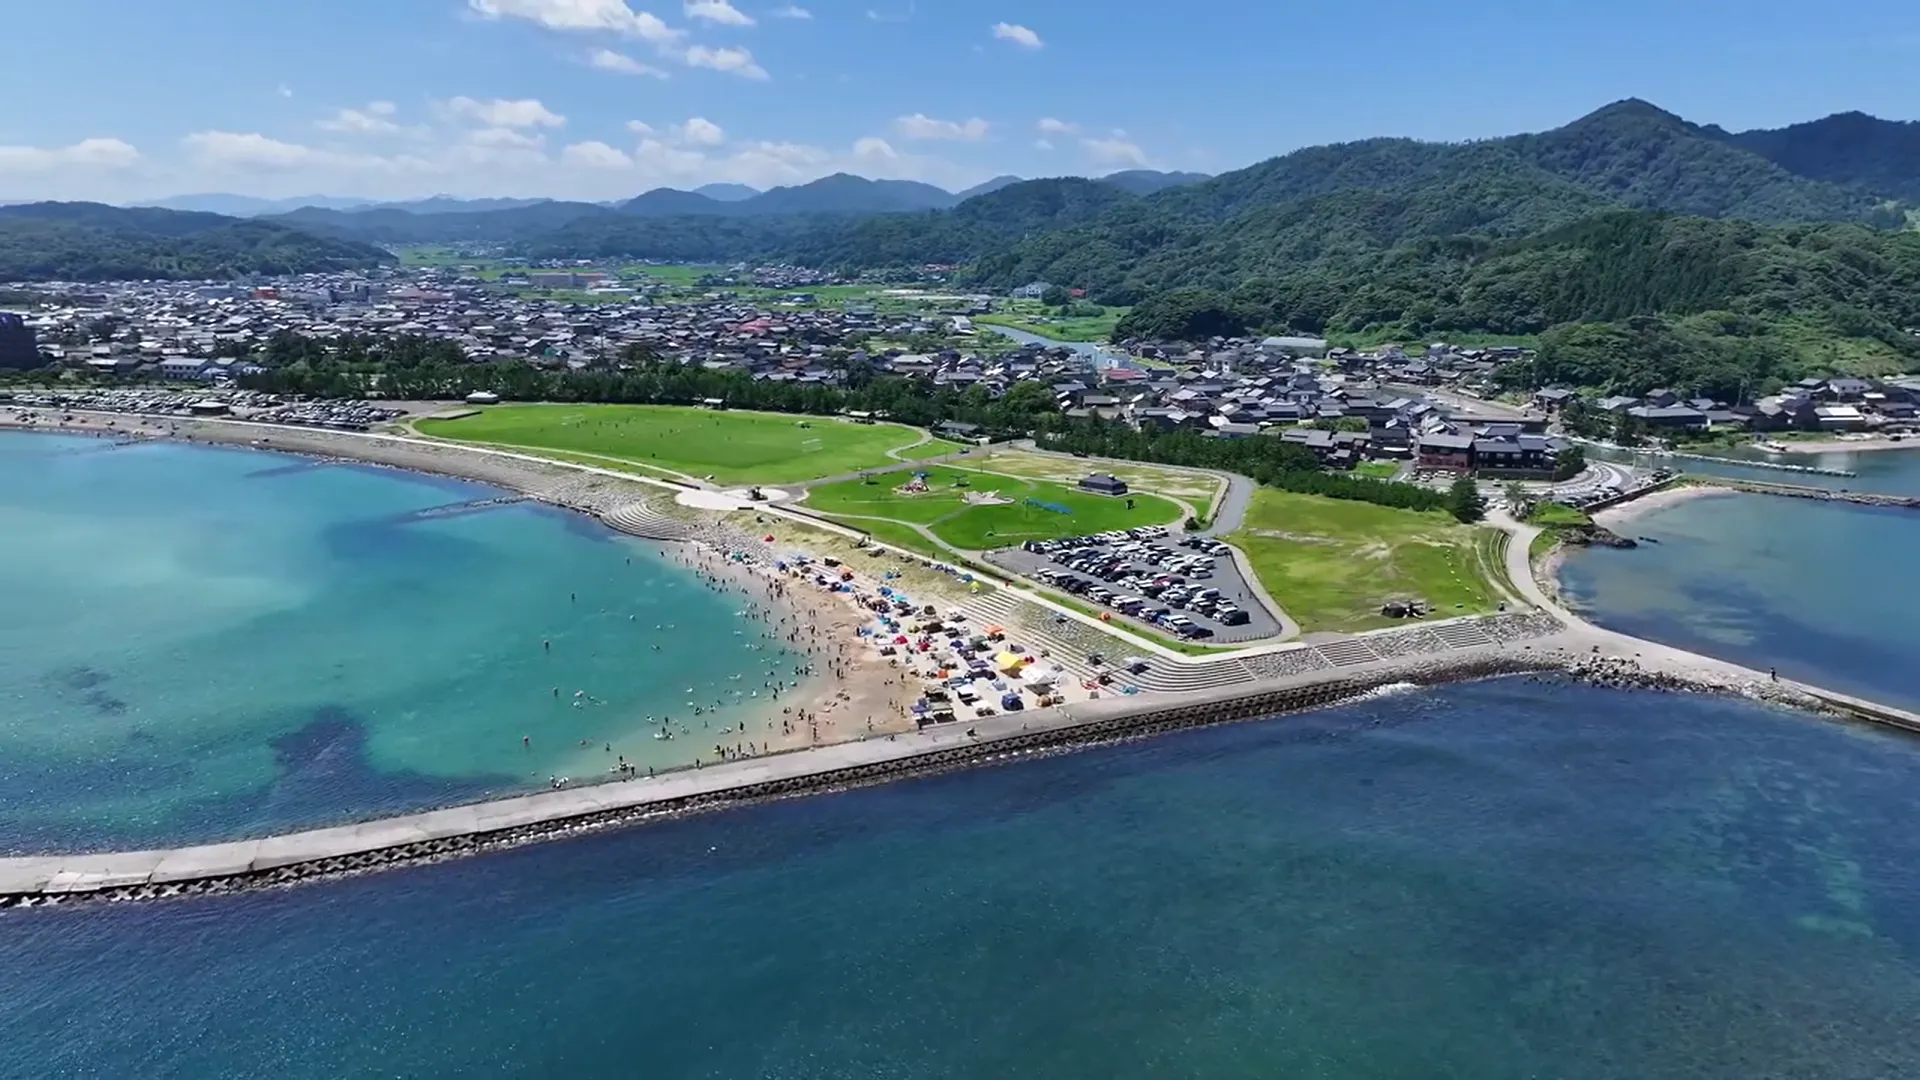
(639, 519)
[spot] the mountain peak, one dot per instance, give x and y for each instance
(1633, 108)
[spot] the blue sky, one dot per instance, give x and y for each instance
(133, 99)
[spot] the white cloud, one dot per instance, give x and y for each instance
(732, 61)
(1117, 150)
(873, 148)
(717, 11)
(608, 60)
(699, 131)
(1017, 34)
(594, 155)
(505, 137)
(791, 11)
(639, 127)
(1049, 126)
(247, 149)
(88, 153)
(1043, 144)
(285, 91)
(922, 126)
(499, 112)
(375, 119)
(606, 15)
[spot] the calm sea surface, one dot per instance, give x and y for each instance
(1827, 592)
(1497, 880)
(202, 643)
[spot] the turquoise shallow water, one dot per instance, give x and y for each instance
(1502, 880)
(203, 643)
(1827, 592)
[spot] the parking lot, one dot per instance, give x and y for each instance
(1180, 585)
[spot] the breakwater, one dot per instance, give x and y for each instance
(1759, 463)
(445, 834)
(1801, 491)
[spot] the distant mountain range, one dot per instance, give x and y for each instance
(836, 194)
(95, 242)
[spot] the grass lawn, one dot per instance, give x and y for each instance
(1332, 562)
(1554, 515)
(1075, 328)
(732, 447)
(1199, 489)
(1379, 470)
(977, 527)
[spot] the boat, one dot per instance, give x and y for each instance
(1774, 446)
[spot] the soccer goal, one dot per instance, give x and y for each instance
(810, 446)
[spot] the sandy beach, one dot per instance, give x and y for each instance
(1614, 516)
(849, 692)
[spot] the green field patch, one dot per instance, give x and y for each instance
(732, 447)
(1378, 470)
(1194, 487)
(979, 511)
(1332, 563)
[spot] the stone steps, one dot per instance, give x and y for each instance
(1464, 635)
(638, 519)
(1348, 653)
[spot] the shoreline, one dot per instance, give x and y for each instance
(1578, 649)
(1848, 446)
(1664, 499)
(852, 682)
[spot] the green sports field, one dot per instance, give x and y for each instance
(732, 447)
(977, 526)
(1332, 563)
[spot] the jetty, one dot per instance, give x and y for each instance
(1759, 463)
(459, 509)
(1801, 491)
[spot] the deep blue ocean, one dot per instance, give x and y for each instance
(1508, 879)
(1505, 879)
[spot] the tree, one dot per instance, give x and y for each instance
(1464, 501)
(1518, 501)
(1056, 296)
(1570, 462)
(1626, 429)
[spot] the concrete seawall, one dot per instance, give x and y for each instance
(437, 835)
(1801, 491)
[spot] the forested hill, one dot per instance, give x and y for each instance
(1878, 156)
(975, 228)
(1350, 198)
(94, 242)
(1629, 300)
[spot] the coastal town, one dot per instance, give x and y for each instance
(1434, 407)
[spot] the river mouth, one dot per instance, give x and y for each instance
(207, 644)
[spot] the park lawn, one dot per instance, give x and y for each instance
(976, 527)
(732, 447)
(1331, 563)
(1198, 488)
(1555, 515)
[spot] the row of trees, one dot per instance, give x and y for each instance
(404, 367)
